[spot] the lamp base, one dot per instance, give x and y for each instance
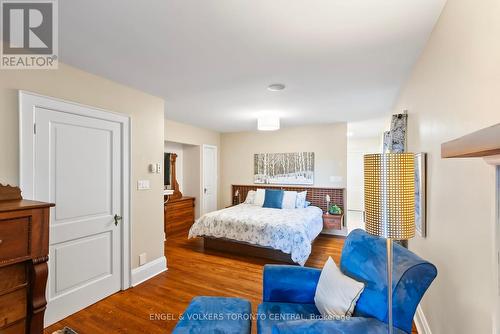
(389, 284)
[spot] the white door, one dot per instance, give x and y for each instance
(355, 193)
(209, 178)
(77, 164)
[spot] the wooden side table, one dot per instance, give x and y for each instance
(335, 222)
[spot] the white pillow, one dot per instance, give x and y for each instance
(289, 200)
(260, 196)
(250, 197)
(301, 200)
(336, 294)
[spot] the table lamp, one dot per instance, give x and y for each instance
(390, 204)
(327, 199)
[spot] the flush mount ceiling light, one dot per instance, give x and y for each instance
(268, 123)
(276, 87)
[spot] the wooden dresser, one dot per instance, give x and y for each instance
(178, 215)
(24, 248)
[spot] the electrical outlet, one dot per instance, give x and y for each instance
(158, 167)
(143, 259)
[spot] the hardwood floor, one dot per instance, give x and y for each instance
(154, 306)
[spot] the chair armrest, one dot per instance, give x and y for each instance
(290, 284)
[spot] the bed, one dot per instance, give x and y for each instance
(284, 235)
(289, 230)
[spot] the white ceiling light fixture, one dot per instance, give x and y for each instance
(276, 87)
(268, 123)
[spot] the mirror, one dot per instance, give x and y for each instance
(169, 178)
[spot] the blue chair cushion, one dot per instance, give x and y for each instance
(216, 315)
(273, 199)
(290, 284)
(348, 326)
(270, 314)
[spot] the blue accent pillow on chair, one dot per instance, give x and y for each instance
(273, 199)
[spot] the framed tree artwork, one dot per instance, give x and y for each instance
(284, 168)
(420, 194)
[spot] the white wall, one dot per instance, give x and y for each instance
(454, 90)
(192, 175)
(328, 142)
(146, 114)
(356, 149)
(190, 135)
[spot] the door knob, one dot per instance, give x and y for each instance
(117, 219)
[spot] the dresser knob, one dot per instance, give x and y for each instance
(1, 241)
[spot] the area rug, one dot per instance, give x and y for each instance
(65, 330)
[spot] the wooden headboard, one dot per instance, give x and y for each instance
(315, 195)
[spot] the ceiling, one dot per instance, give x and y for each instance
(211, 60)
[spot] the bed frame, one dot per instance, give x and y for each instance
(315, 195)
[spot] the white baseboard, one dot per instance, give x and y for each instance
(421, 322)
(149, 270)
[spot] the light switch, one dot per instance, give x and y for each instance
(158, 167)
(143, 185)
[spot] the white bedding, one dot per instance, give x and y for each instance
(288, 230)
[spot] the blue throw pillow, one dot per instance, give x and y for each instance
(273, 199)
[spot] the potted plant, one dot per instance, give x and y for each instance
(334, 209)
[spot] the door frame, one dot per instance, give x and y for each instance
(202, 211)
(27, 128)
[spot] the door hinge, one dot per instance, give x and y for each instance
(34, 128)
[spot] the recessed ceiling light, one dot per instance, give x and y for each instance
(268, 123)
(276, 87)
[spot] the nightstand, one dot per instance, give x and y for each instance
(333, 221)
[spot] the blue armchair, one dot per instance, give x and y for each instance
(288, 296)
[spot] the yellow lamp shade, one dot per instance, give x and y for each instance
(390, 195)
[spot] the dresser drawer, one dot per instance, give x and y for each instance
(12, 276)
(179, 210)
(12, 307)
(14, 238)
(180, 205)
(177, 213)
(17, 328)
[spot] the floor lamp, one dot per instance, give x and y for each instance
(390, 204)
